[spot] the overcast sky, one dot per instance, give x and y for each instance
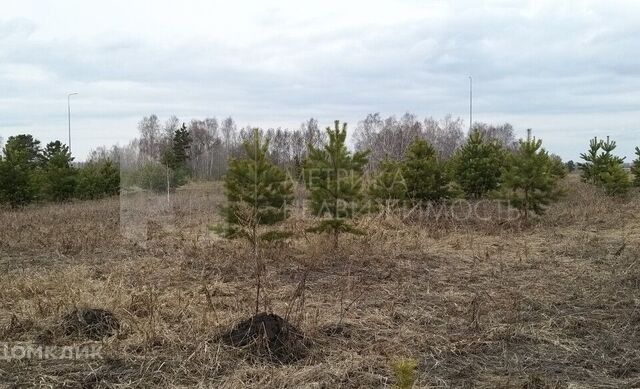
(568, 69)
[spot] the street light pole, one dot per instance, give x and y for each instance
(69, 116)
(470, 103)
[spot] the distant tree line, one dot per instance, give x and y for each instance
(168, 154)
(213, 142)
(31, 173)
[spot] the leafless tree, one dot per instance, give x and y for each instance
(101, 154)
(445, 135)
(170, 127)
(150, 137)
(502, 133)
(390, 137)
(312, 134)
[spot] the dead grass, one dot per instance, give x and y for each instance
(477, 305)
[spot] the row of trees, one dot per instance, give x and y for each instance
(212, 143)
(389, 138)
(168, 154)
(259, 192)
(30, 173)
(525, 176)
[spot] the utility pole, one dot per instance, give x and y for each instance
(470, 103)
(69, 116)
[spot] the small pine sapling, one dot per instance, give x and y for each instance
(635, 168)
(404, 373)
(476, 166)
(604, 169)
(426, 177)
(528, 181)
(388, 189)
(591, 168)
(334, 176)
(258, 194)
(615, 180)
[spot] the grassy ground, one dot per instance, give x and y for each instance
(476, 303)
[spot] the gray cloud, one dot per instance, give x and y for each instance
(568, 72)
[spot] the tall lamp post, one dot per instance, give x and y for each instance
(69, 116)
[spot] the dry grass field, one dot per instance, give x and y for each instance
(477, 304)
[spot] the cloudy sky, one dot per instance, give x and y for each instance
(568, 69)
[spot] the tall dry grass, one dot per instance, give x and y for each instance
(476, 303)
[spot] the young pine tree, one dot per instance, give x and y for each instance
(591, 167)
(635, 168)
(476, 166)
(58, 181)
(19, 181)
(615, 180)
(333, 176)
(528, 181)
(258, 194)
(603, 168)
(425, 176)
(388, 189)
(558, 168)
(98, 179)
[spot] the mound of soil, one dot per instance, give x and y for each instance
(90, 323)
(269, 336)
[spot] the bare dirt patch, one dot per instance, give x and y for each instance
(269, 336)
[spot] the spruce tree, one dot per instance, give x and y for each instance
(528, 182)
(425, 175)
(476, 166)
(181, 146)
(388, 189)
(174, 158)
(635, 168)
(258, 194)
(334, 176)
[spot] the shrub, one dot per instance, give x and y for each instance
(404, 373)
(97, 180)
(155, 176)
(571, 166)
